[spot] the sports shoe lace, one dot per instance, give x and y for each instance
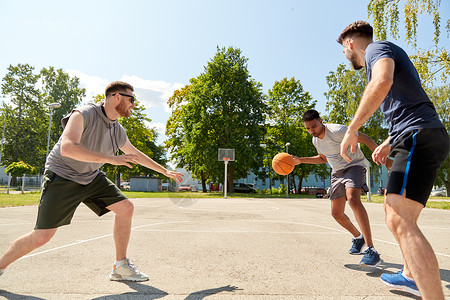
(370, 251)
(132, 266)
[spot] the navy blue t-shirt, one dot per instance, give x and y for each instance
(406, 106)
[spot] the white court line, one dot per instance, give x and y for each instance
(96, 238)
(138, 228)
(249, 210)
(237, 231)
(15, 224)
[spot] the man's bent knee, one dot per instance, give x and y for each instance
(123, 208)
(42, 236)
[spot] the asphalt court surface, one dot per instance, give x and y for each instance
(214, 249)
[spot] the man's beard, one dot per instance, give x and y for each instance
(122, 110)
(355, 65)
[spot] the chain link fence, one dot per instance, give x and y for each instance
(26, 183)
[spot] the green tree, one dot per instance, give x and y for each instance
(59, 87)
(19, 168)
(221, 108)
(24, 114)
(142, 138)
(346, 87)
(441, 99)
(287, 101)
(386, 15)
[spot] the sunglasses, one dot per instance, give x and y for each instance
(125, 95)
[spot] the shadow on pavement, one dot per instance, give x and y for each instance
(13, 296)
(205, 293)
(382, 268)
(149, 292)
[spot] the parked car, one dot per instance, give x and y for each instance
(318, 191)
(438, 193)
(321, 193)
(184, 188)
(125, 186)
(244, 188)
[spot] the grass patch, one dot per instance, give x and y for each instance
(8, 200)
(433, 202)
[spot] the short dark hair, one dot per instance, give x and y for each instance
(310, 114)
(117, 86)
(359, 28)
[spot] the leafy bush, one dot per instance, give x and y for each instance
(20, 168)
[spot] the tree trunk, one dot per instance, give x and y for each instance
(230, 185)
(294, 185)
(300, 183)
(117, 177)
(202, 176)
(447, 187)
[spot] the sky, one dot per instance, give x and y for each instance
(157, 46)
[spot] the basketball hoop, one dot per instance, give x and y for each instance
(225, 155)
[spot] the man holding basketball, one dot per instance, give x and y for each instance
(347, 181)
(92, 135)
(417, 141)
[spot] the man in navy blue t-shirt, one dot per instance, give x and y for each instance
(417, 141)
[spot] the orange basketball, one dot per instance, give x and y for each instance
(283, 164)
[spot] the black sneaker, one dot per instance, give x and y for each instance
(357, 246)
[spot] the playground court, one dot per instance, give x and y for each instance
(214, 249)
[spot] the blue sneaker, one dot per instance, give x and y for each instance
(357, 246)
(371, 258)
(398, 281)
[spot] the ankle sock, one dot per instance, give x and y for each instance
(119, 263)
(409, 278)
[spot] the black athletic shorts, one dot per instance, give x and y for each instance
(61, 197)
(417, 154)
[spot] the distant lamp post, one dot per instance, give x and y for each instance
(287, 176)
(3, 137)
(51, 106)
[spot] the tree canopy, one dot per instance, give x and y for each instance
(221, 108)
(430, 59)
(287, 101)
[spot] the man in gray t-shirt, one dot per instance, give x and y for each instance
(347, 180)
(92, 135)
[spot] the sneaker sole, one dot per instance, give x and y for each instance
(115, 278)
(402, 287)
(371, 266)
(358, 253)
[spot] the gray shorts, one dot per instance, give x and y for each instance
(353, 177)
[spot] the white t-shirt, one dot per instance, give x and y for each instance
(330, 146)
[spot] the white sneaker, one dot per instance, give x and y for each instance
(127, 271)
(2, 271)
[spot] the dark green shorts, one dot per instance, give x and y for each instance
(61, 197)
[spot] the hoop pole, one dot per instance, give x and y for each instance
(225, 184)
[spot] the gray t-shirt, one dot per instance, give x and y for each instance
(100, 134)
(330, 146)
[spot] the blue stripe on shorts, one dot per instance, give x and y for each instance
(408, 163)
